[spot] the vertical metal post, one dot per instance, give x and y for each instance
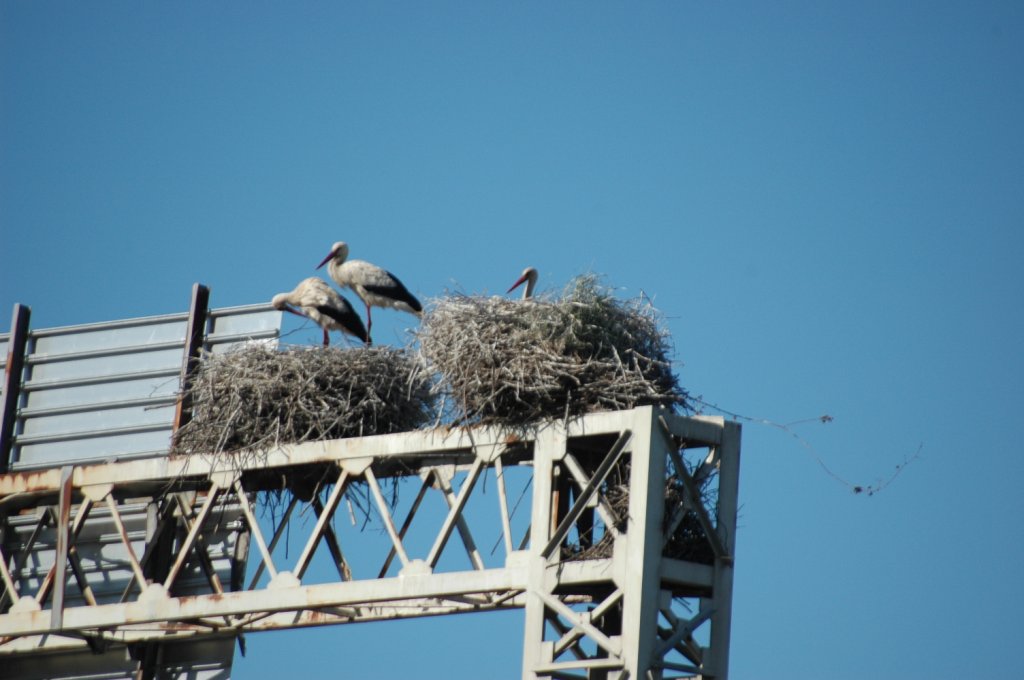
(197, 315)
(151, 654)
(642, 580)
(63, 540)
(550, 444)
(717, 666)
(12, 382)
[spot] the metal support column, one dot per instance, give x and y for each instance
(12, 382)
(548, 447)
(643, 546)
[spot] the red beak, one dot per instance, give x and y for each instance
(518, 283)
(326, 259)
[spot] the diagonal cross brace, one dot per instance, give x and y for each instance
(76, 528)
(683, 629)
(115, 515)
(570, 637)
(6, 576)
(407, 523)
(321, 524)
(333, 544)
(165, 522)
(610, 517)
(382, 507)
(254, 527)
(602, 472)
(467, 537)
(693, 495)
(579, 621)
(698, 508)
(21, 557)
(455, 513)
(202, 550)
(211, 498)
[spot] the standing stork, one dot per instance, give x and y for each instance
(324, 306)
(375, 286)
(529, 276)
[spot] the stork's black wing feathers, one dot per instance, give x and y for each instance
(396, 291)
(349, 320)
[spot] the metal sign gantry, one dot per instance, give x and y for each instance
(606, 592)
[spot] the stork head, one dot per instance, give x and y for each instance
(280, 301)
(283, 302)
(339, 252)
(529, 276)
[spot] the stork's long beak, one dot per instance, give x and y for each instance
(326, 259)
(518, 283)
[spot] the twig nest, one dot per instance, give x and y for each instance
(512, 362)
(258, 397)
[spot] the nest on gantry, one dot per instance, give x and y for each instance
(257, 397)
(686, 537)
(513, 362)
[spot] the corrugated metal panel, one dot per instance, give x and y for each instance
(104, 391)
(231, 326)
(107, 390)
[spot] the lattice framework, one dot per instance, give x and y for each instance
(628, 612)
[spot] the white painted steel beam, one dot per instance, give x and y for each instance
(158, 608)
(598, 616)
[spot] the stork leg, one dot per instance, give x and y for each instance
(369, 324)
(327, 339)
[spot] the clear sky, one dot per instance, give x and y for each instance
(824, 199)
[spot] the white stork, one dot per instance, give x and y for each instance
(529, 276)
(374, 286)
(324, 306)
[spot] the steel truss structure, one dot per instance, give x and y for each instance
(597, 568)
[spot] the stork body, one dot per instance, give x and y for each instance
(321, 303)
(376, 287)
(529, 277)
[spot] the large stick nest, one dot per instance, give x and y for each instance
(258, 397)
(512, 362)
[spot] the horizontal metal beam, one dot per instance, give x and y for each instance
(38, 359)
(427, 445)
(687, 575)
(92, 434)
(695, 430)
(109, 325)
(144, 402)
(214, 340)
(257, 622)
(154, 606)
(100, 379)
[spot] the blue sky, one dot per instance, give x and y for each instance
(824, 199)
